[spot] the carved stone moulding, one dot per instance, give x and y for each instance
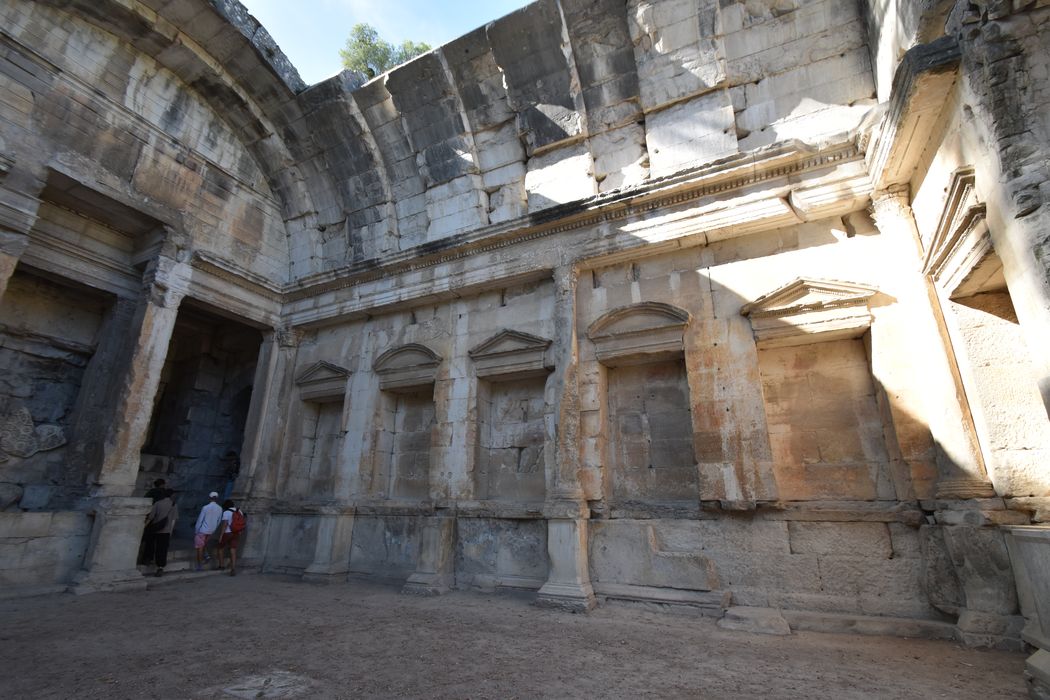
(960, 257)
(322, 381)
(511, 355)
(639, 333)
(407, 367)
(807, 311)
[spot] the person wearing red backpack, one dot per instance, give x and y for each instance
(233, 524)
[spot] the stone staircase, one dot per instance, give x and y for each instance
(180, 568)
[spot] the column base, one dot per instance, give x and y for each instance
(427, 584)
(107, 582)
(1037, 675)
(990, 631)
(323, 577)
(964, 489)
(568, 597)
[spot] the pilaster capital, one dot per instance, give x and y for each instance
(892, 203)
(288, 337)
(166, 282)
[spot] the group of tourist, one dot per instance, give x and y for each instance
(226, 520)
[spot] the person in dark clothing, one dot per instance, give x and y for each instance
(159, 523)
(157, 492)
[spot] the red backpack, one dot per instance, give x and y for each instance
(238, 522)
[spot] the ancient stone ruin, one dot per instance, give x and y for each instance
(739, 306)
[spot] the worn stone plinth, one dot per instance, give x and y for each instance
(110, 561)
(1030, 554)
(755, 620)
(568, 585)
(332, 554)
(434, 574)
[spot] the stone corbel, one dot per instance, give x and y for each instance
(807, 310)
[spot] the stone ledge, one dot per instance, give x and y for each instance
(709, 603)
(839, 623)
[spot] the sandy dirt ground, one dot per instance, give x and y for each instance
(274, 637)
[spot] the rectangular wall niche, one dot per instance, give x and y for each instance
(509, 464)
(825, 429)
(322, 436)
(408, 420)
(322, 389)
(651, 450)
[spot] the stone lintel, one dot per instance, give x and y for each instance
(921, 86)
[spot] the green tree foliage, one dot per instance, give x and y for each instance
(367, 53)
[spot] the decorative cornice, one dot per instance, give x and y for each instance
(921, 85)
(732, 173)
(806, 310)
(233, 273)
(959, 231)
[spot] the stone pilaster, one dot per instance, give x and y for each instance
(331, 564)
(568, 583)
(117, 529)
(264, 467)
(152, 327)
(109, 564)
(434, 574)
(960, 466)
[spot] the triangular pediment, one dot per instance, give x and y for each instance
(412, 355)
(509, 342)
(809, 295)
(322, 372)
(645, 317)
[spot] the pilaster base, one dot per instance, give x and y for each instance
(568, 597)
(323, 577)
(1037, 675)
(423, 584)
(434, 573)
(964, 489)
(107, 582)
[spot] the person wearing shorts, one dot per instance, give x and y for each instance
(228, 539)
(207, 523)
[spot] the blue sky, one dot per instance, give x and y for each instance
(311, 32)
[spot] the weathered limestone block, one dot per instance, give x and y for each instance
(109, 564)
(493, 554)
(982, 563)
(677, 48)
(568, 585)
(478, 80)
(291, 542)
(559, 176)
(636, 553)
(428, 103)
(456, 206)
(604, 57)
(435, 572)
(844, 539)
(620, 158)
(799, 33)
(691, 133)
(387, 548)
(542, 86)
(798, 105)
(755, 620)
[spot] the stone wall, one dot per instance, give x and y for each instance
(644, 301)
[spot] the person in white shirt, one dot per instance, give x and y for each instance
(207, 524)
(229, 537)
